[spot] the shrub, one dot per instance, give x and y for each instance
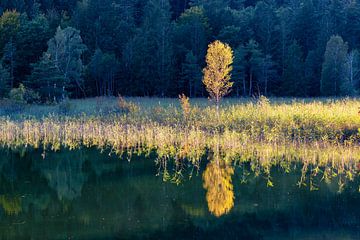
(23, 95)
(18, 94)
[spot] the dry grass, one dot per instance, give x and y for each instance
(319, 134)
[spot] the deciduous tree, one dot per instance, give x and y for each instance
(217, 73)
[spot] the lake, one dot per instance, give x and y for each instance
(86, 194)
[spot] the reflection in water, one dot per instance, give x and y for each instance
(64, 173)
(217, 179)
(11, 204)
(84, 194)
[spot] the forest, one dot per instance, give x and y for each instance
(54, 49)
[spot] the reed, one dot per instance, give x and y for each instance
(318, 134)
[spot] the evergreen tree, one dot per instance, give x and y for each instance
(334, 67)
(217, 12)
(254, 59)
(4, 81)
(9, 61)
(47, 80)
(284, 15)
(191, 75)
(153, 49)
(103, 69)
(232, 35)
(265, 20)
(9, 27)
(28, 50)
(293, 76)
(312, 72)
(304, 25)
(153, 40)
(239, 71)
(337, 16)
(351, 28)
(267, 74)
(105, 24)
(192, 31)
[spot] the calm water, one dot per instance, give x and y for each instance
(88, 195)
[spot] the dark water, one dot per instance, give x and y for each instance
(88, 195)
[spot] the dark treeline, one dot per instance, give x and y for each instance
(73, 48)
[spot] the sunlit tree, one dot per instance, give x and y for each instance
(217, 73)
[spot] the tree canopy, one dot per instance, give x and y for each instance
(158, 47)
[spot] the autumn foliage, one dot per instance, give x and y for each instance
(217, 73)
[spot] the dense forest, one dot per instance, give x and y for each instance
(71, 48)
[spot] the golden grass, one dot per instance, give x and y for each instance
(316, 133)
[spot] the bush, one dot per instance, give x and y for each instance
(18, 94)
(23, 95)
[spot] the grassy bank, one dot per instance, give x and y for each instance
(140, 123)
(319, 134)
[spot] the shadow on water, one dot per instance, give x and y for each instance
(85, 194)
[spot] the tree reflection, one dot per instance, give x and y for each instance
(11, 204)
(217, 180)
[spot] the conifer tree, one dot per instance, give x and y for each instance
(47, 80)
(239, 71)
(293, 77)
(4, 81)
(255, 57)
(191, 74)
(9, 61)
(334, 66)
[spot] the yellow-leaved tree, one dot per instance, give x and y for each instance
(217, 73)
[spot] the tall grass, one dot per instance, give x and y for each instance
(317, 133)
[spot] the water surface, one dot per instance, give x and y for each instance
(85, 194)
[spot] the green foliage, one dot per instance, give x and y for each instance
(23, 95)
(254, 58)
(191, 74)
(103, 69)
(293, 77)
(146, 45)
(18, 94)
(48, 80)
(192, 31)
(9, 26)
(30, 51)
(4, 81)
(239, 71)
(334, 67)
(65, 51)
